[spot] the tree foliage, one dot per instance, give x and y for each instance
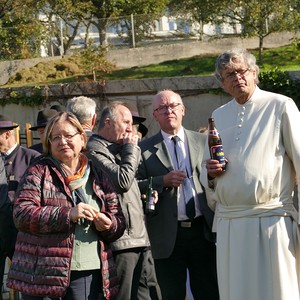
(25, 25)
(20, 33)
(63, 18)
(145, 14)
(107, 12)
(259, 17)
(93, 60)
(199, 11)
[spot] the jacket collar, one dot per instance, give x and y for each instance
(163, 154)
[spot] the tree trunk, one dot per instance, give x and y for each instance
(261, 49)
(94, 75)
(102, 33)
(201, 26)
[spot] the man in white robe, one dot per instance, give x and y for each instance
(256, 221)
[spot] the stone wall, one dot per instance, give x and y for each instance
(200, 95)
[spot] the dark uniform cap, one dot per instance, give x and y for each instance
(7, 124)
(137, 119)
(43, 117)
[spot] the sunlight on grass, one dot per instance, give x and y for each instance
(285, 58)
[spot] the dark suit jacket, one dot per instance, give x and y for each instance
(3, 183)
(15, 165)
(156, 162)
(37, 147)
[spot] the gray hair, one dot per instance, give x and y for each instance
(109, 111)
(229, 57)
(82, 107)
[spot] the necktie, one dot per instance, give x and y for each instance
(186, 185)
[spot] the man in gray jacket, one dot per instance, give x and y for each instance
(115, 151)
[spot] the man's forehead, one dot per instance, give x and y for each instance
(235, 63)
(167, 99)
(123, 113)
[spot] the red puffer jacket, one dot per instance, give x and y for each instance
(43, 251)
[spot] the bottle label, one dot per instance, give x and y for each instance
(150, 205)
(150, 200)
(217, 153)
(213, 133)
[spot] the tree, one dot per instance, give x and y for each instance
(199, 11)
(92, 59)
(28, 24)
(63, 18)
(259, 17)
(104, 12)
(5, 7)
(99, 12)
(20, 30)
(144, 14)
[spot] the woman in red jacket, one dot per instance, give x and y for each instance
(66, 214)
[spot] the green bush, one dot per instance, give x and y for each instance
(277, 81)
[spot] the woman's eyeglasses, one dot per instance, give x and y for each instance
(57, 138)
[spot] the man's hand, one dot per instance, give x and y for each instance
(155, 196)
(174, 178)
(214, 168)
(130, 138)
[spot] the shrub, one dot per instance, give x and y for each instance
(280, 82)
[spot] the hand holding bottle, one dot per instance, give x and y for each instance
(214, 168)
(150, 199)
(215, 148)
(155, 195)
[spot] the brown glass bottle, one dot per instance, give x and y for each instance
(215, 144)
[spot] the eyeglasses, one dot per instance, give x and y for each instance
(231, 75)
(57, 138)
(164, 108)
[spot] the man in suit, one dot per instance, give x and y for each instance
(179, 242)
(16, 159)
(3, 221)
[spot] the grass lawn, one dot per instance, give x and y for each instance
(286, 58)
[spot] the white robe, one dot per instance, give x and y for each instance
(256, 222)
